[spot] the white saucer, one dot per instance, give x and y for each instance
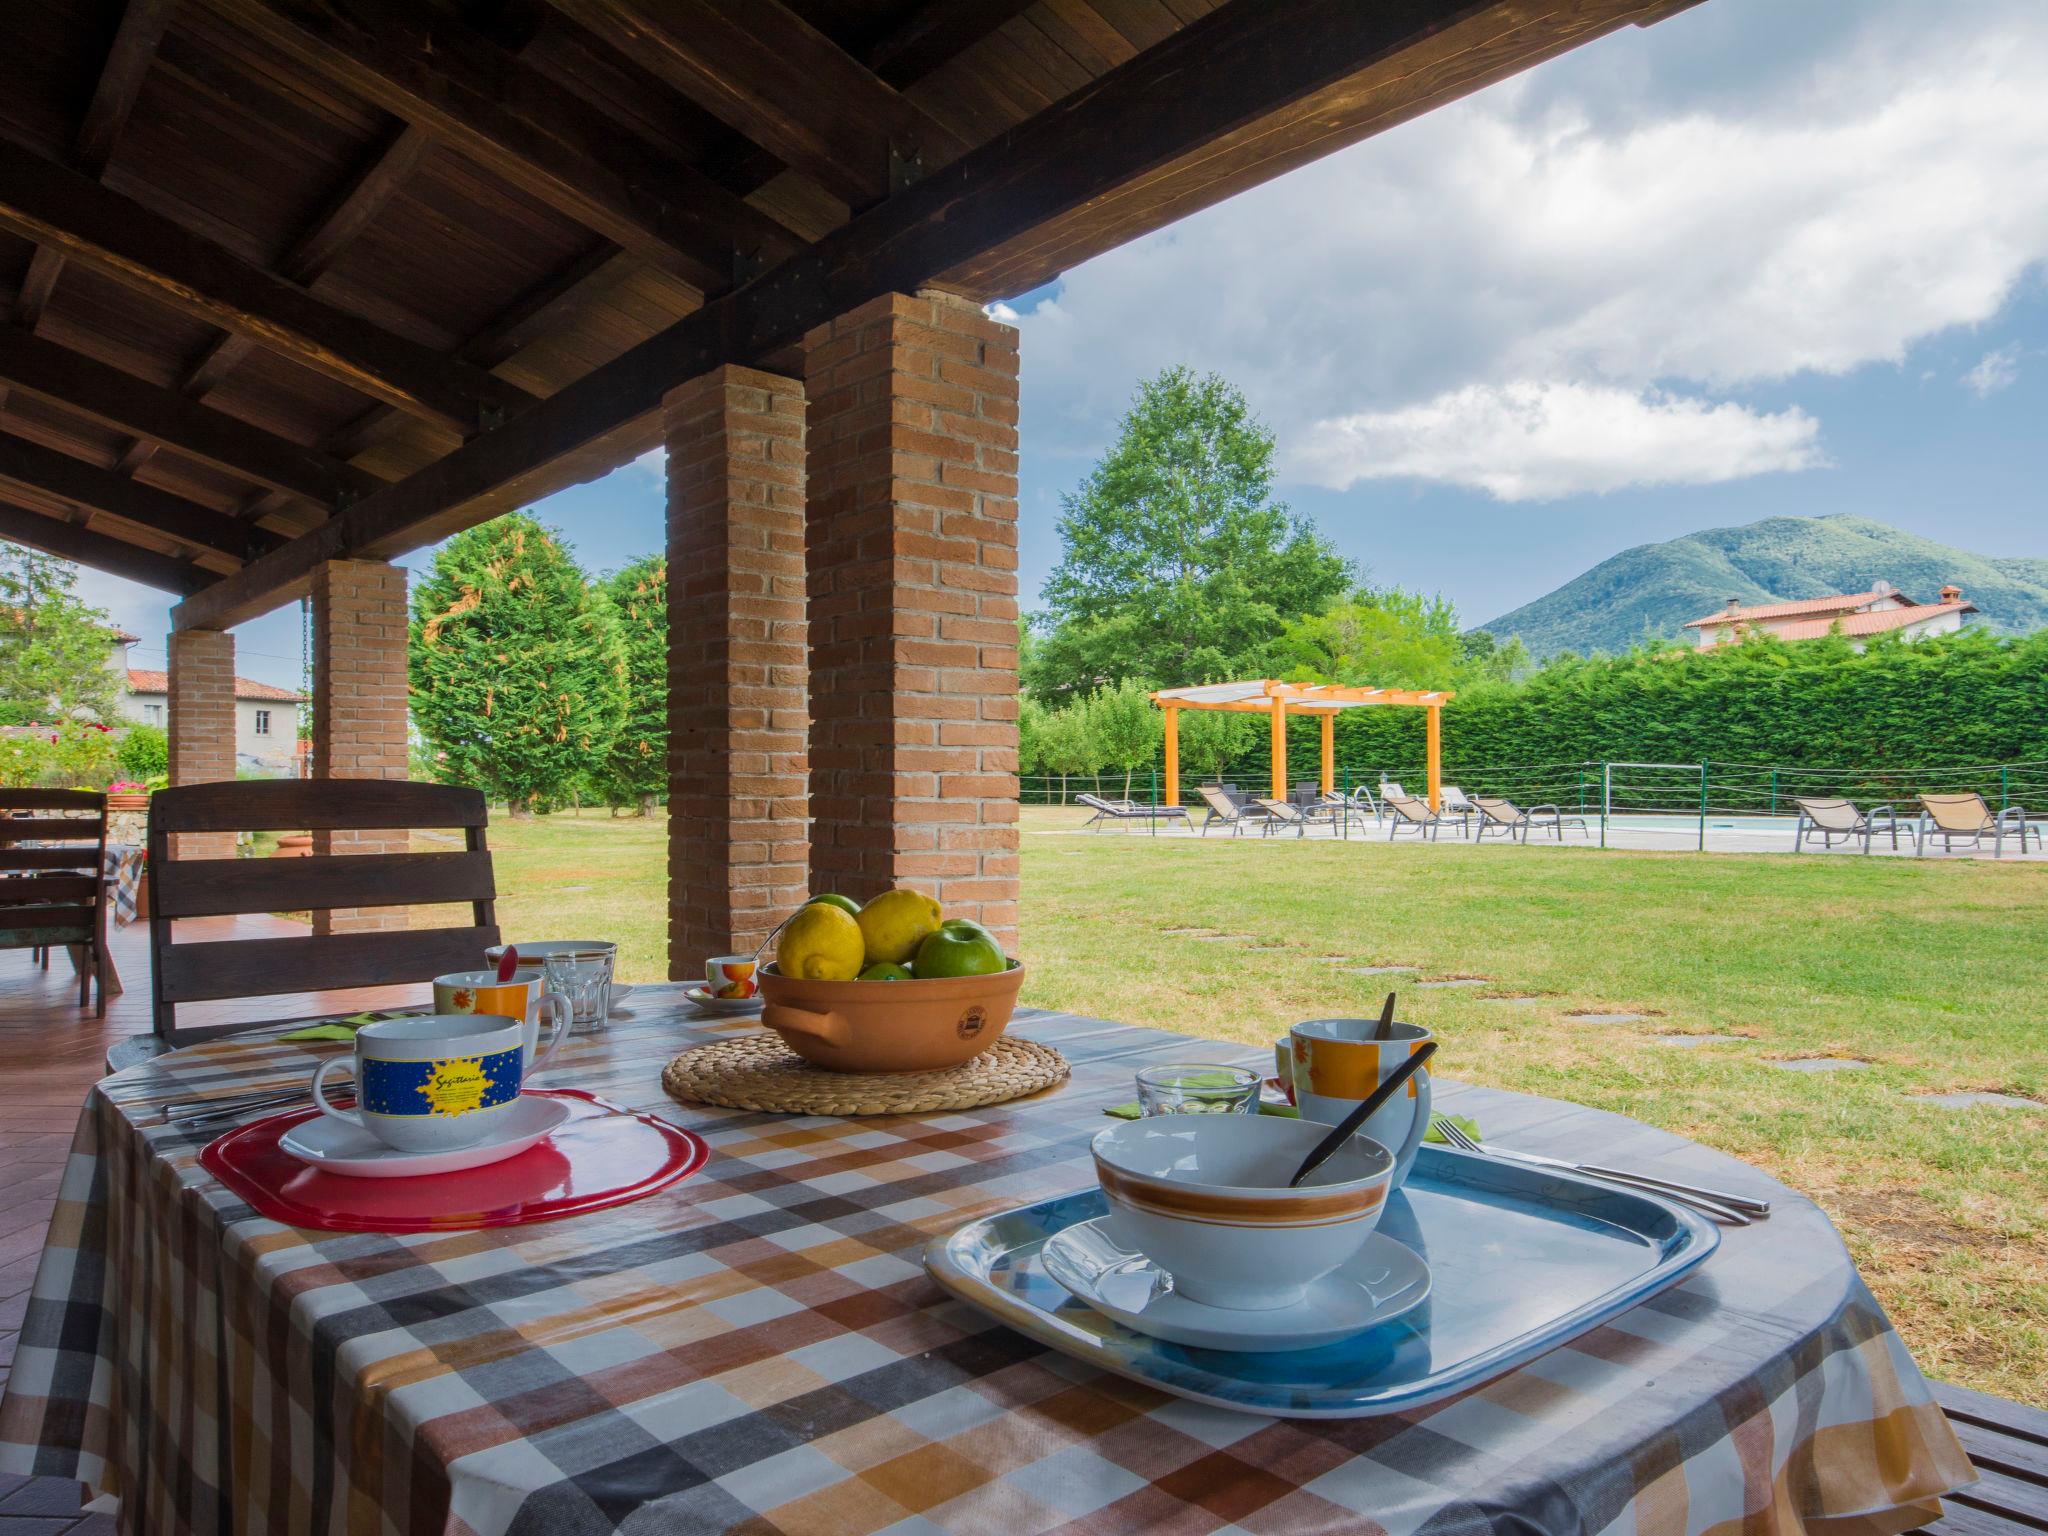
(334, 1146)
(1381, 1281)
(704, 999)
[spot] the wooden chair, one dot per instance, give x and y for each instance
(53, 878)
(235, 968)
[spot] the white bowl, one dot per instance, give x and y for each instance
(1203, 1196)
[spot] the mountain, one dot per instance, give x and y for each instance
(1655, 588)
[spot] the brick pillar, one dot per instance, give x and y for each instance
(738, 836)
(912, 542)
(202, 726)
(359, 707)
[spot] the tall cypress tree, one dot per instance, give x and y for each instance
(637, 768)
(518, 673)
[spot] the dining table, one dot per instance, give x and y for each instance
(759, 1349)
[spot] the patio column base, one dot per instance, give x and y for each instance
(201, 726)
(359, 708)
(738, 808)
(913, 579)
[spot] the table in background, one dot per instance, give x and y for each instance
(758, 1348)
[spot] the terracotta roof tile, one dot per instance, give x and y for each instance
(1873, 623)
(1841, 604)
(143, 680)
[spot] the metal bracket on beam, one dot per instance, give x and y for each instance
(906, 169)
(747, 265)
(489, 417)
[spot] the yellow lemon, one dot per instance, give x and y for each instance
(821, 943)
(895, 923)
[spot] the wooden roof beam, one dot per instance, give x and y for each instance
(934, 35)
(42, 201)
(117, 557)
(476, 97)
(128, 59)
(101, 490)
(765, 71)
(1212, 78)
(90, 388)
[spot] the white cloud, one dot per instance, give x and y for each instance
(1529, 441)
(1567, 235)
(1997, 369)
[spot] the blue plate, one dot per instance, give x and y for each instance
(1523, 1260)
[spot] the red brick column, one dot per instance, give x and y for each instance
(359, 707)
(202, 725)
(913, 579)
(738, 835)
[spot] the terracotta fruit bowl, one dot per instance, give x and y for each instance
(890, 1026)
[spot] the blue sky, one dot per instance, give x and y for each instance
(1756, 260)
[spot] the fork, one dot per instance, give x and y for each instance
(1732, 1210)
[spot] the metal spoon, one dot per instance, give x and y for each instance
(1323, 1150)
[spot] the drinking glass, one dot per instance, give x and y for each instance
(585, 981)
(1194, 1088)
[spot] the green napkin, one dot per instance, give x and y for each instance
(336, 1029)
(1464, 1123)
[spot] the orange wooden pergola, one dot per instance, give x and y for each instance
(1278, 700)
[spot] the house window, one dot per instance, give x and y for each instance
(262, 722)
(152, 714)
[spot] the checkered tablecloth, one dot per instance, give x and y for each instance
(758, 1350)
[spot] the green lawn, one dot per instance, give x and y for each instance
(1933, 973)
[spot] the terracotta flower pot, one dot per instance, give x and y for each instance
(890, 1026)
(128, 802)
(297, 846)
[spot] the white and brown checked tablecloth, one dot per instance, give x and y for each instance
(758, 1350)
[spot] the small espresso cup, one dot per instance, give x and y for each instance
(1336, 1062)
(731, 976)
(521, 998)
(429, 1084)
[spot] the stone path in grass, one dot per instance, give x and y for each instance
(1809, 1064)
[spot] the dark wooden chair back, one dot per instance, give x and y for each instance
(53, 858)
(237, 968)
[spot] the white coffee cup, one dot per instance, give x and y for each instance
(480, 992)
(430, 1083)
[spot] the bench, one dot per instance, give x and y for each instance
(2008, 1444)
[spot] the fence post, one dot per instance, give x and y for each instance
(1606, 798)
(1774, 791)
(1153, 819)
(2005, 796)
(1703, 805)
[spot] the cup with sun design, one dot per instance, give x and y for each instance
(428, 1084)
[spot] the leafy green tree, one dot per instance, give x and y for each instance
(1031, 717)
(1178, 565)
(1377, 639)
(1126, 726)
(1067, 741)
(518, 674)
(53, 644)
(636, 769)
(144, 752)
(1211, 740)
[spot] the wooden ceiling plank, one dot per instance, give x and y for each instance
(117, 557)
(935, 34)
(101, 490)
(42, 201)
(113, 98)
(771, 75)
(92, 389)
(465, 90)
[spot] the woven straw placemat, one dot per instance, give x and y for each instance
(760, 1072)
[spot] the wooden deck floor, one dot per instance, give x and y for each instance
(51, 1052)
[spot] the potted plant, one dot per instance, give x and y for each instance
(127, 795)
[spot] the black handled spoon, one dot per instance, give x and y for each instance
(1322, 1151)
(1385, 1031)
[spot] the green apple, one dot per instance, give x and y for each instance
(845, 904)
(883, 970)
(959, 948)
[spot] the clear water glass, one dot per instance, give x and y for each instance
(1195, 1088)
(585, 981)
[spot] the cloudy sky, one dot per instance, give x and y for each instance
(1760, 259)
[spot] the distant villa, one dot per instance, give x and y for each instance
(1858, 615)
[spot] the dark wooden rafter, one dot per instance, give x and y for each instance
(789, 88)
(317, 249)
(135, 42)
(934, 35)
(465, 90)
(43, 202)
(1249, 58)
(51, 473)
(118, 557)
(86, 387)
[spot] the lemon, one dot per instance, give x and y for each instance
(896, 922)
(821, 943)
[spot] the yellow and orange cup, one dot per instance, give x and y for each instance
(1334, 1063)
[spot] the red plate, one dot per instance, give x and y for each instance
(601, 1156)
